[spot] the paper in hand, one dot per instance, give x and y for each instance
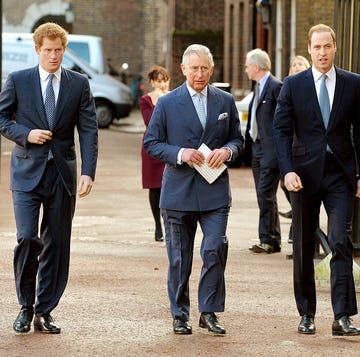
(209, 174)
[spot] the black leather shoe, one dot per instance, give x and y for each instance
(209, 320)
(342, 327)
(307, 325)
(23, 321)
(262, 248)
(159, 235)
(182, 327)
(46, 324)
(286, 214)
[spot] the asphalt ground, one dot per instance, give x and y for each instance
(116, 301)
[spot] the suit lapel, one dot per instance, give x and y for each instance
(212, 108)
(64, 94)
(339, 91)
(39, 101)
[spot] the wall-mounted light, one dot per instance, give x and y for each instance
(264, 6)
(69, 14)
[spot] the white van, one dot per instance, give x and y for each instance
(113, 99)
(90, 49)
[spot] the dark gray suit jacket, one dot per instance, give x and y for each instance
(22, 109)
(265, 115)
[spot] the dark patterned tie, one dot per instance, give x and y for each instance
(50, 106)
(50, 102)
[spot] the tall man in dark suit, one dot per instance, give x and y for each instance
(317, 134)
(259, 136)
(39, 109)
(190, 115)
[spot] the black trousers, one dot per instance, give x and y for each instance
(337, 197)
(266, 185)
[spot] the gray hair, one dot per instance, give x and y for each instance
(260, 58)
(198, 50)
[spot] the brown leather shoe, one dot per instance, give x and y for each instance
(262, 248)
(209, 320)
(342, 327)
(182, 327)
(46, 324)
(307, 325)
(22, 323)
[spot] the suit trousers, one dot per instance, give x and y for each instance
(45, 257)
(266, 184)
(180, 229)
(337, 196)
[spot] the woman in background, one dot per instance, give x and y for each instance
(152, 169)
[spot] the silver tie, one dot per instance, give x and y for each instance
(254, 127)
(324, 101)
(200, 109)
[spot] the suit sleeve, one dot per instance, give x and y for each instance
(283, 128)
(8, 127)
(88, 132)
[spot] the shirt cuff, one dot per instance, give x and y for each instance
(229, 151)
(179, 155)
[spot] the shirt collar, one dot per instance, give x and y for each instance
(44, 74)
(193, 92)
(317, 75)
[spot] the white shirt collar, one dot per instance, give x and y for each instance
(44, 74)
(193, 92)
(317, 75)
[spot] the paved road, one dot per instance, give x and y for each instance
(116, 301)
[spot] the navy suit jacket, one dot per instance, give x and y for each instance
(300, 134)
(22, 109)
(265, 115)
(174, 125)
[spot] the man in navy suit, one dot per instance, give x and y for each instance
(317, 135)
(259, 136)
(174, 135)
(39, 109)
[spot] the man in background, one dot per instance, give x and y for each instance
(264, 163)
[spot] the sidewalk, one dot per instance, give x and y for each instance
(116, 300)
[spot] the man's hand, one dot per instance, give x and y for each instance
(217, 157)
(192, 156)
(292, 182)
(39, 136)
(85, 185)
(358, 190)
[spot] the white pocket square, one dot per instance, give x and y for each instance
(223, 116)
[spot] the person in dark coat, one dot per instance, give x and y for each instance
(152, 169)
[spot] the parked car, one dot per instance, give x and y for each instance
(113, 99)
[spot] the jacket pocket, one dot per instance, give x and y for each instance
(299, 151)
(20, 152)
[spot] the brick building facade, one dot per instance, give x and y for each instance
(147, 32)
